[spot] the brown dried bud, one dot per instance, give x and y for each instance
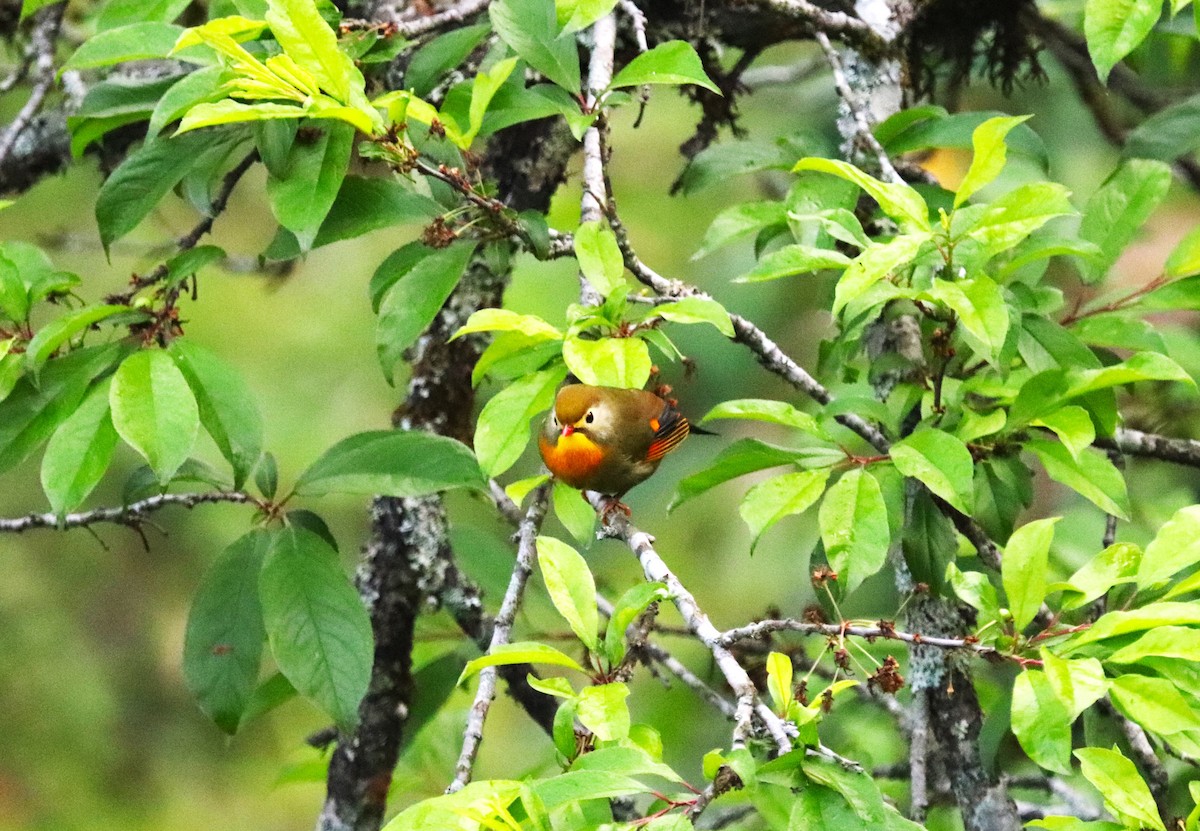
(887, 677)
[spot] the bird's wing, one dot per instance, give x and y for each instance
(670, 428)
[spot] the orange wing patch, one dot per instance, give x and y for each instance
(667, 437)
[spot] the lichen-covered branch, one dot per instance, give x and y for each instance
(133, 515)
(43, 42)
(1153, 446)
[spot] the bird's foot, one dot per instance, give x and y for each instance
(613, 504)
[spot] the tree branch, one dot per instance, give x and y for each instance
(46, 23)
(132, 515)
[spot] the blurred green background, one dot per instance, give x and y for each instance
(99, 731)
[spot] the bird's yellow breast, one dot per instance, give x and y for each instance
(573, 458)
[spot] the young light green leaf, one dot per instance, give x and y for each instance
(1143, 366)
(1114, 565)
(392, 463)
(874, 264)
(557, 687)
(571, 587)
(577, 787)
(991, 152)
(742, 457)
(1017, 214)
(1181, 642)
(415, 299)
(854, 527)
(981, 310)
(975, 589)
(740, 221)
(574, 512)
(502, 431)
(518, 490)
(1122, 622)
(54, 334)
(1078, 683)
(625, 611)
(154, 410)
(790, 493)
(897, 200)
(79, 452)
(764, 409)
(779, 681)
(222, 647)
(1114, 28)
(522, 652)
(1023, 569)
(674, 62)
(794, 259)
(602, 709)
(1091, 475)
(308, 40)
(600, 258)
(319, 631)
(503, 320)
(1184, 260)
(1117, 779)
(941, 462)
(227, 408)
(1072, 425)
(134, 42)
(1121, 206)
(697, 310)
(530, 28)
(1041, 722)
(609, 362)
(1174, 548)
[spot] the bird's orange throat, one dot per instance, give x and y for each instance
(573, 459)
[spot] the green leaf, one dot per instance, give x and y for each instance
(222, 647)
(602, 709)
(625, 611)
(609, 362)
(531, 29)
(502, 431)
(856, 787)
(697, 310)
(1072, 425)
(1164, 642)
(764, 409)
(1117, 779)
(440, 55)
(1174, 548)
(304, 187)
(28, 7)
(1041, 722)
(319, 631)
(54, 334)
(79, 452)
(899, 201)
(1114, 28)
(1144, 366)
(790, 493)
(503, 320)
(630, 760)
(571, 587)
(392, 463)
(674, 62)
(574, 512)
(29, 414)
(740, 221)
(794, 259)
(122, 12)
(941, 462)
(308, 40)
(1184, 260)
(1078, 684)
(154, 410)
(975, 589)
(779, 680)
(149, 174)
(1091, 475)
(574, 787)
(1120, 207)
(981, 310)
(414, 301)
(1023, 569)
(1114, 565)
(14, 294)
(991, 153)
(1011, 218)
(1117, 623)
(742, 457)
(874, 264)
(227, 408)
(1167, 134)
(600, 258)
(523, 652)
(854, 528)
(137, 41)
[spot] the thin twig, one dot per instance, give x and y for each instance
(594, 200)
(42, 44)
(864, 133)
(449, 18)
(852, 29)
(130, 515)
(616, 524)
(884, 630)
(1153, 446)
(526, 558)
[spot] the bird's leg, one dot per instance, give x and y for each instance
(613, 504)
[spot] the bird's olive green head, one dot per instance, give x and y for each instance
(584, 409)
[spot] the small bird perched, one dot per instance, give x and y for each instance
(607, 439)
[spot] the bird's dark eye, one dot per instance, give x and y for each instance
(590, 417)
